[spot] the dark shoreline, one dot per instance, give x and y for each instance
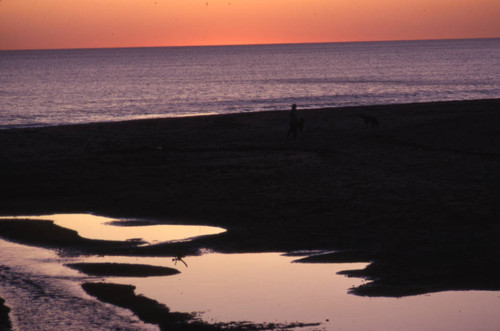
(37, 127)
(4, 316)
(418, 196)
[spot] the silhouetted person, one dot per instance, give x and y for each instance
(294, 122)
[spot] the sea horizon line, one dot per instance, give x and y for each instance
(249, 44)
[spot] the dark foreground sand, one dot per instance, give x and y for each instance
(4, 316)
(419, 195)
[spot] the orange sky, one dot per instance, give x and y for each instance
(45, 24)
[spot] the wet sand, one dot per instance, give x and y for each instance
(151, 311)
(418, 195)
(146, 309)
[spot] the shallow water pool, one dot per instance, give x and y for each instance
(104, 228)
(43, 294)
(271, 288)
(260, 288)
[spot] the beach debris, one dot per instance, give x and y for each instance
(178, 258)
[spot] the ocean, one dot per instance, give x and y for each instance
(55, 87)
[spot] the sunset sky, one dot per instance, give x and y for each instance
(47, 24)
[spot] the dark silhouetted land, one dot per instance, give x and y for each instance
(4, 316)
(122, 269)
(418, 195)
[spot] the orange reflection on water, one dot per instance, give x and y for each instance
(269, 287)
(101, 228)
(266, 287)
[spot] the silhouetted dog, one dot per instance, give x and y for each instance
(370, 121)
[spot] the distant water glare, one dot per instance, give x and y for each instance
(53, 87)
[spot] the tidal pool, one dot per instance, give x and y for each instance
(43, 294)
(271, 288)
(105, 228)
(259, 288)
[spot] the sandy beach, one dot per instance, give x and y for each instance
(417, 195)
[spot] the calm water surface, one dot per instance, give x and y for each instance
(44, 295)
(271, 288)
(52, 87)
(259, 288)
(105, 228)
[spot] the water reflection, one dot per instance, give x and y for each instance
(45, 295)
(269, 288)
(261, 288)
(104, 228)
